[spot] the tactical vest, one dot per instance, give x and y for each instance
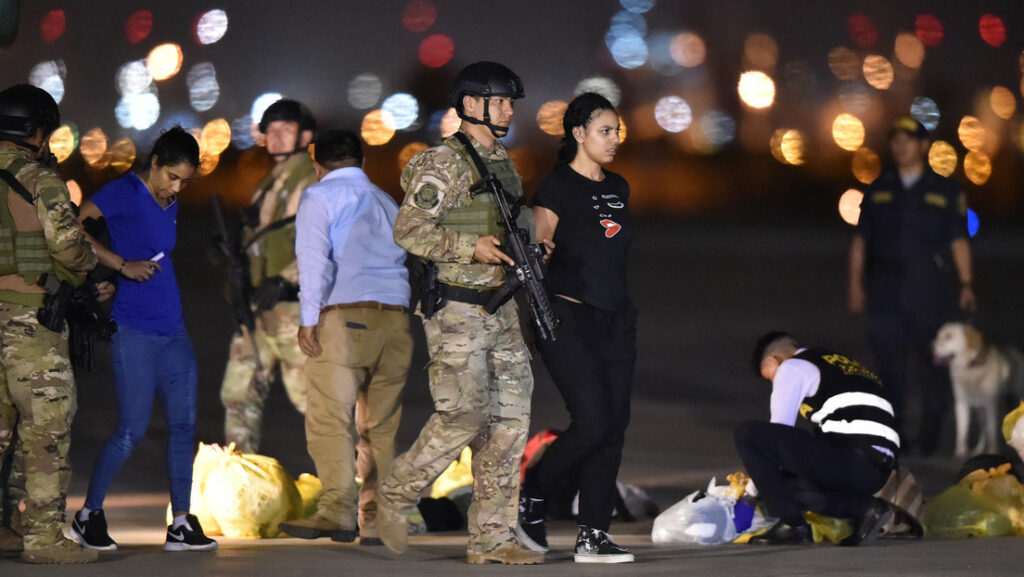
(278, 247)
(480, 217)
(850, 406)
(25, 253)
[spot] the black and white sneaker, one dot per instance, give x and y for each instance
(92, 533)
(530, 529)
(595, 546)
(188, 537)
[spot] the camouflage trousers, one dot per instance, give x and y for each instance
(245, 387)
(481, 384)
(37, 396)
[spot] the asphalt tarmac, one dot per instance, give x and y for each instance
(705, 291)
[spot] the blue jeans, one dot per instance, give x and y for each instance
(146, 365)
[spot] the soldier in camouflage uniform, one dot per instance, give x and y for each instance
(479, 368)
(290, 128)
(38, 393)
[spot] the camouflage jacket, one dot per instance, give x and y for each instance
(277, 197)
(435, 182)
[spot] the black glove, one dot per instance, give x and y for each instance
(272, 291)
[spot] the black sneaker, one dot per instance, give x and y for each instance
(530, 529)
(188, 537)
(595, 546)
(92, 533)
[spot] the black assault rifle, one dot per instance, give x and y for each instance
(237, 270)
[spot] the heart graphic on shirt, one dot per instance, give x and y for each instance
(611, 228)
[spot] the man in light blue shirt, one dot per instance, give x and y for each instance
(354, 289)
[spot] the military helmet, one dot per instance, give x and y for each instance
(24, 109)
(290, 111)
(486, 79)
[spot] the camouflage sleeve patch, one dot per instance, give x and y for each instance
(426, 197)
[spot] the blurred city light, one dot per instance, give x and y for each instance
(260, 105)
(408, 151)
(659, 51)
(973, 222)
(855, 97)
(76, 191)
(241, 132)
(1003, 102)
(992, 30)
(122, 155)
(203, 88)
(972, 133)
(866, 165)
(216, 137)
(626, 41)
(138, 111)
(718, 127)
(436, 50)
(844, 63)
(863, 30)
(673, 114)
(63, 142)
(909, 50)
(604, 86)
(929, 30)
(549, 116)
(365, 91)
(378, 127)
(450, 123)
(848, 132)
(942, 158)
(211, 26)
(138, 26)
(688, 49)
(164, 61)
(760, 52)
(977, 167)
(925, 111)
(878, 71)
(637, 6)
(403, 108)
(208, 163)
(787, 146)
(134, 78)
(52, 26)
(49, 76)
(849, 206)
(756, 89)
(93, 147)
(418, 16)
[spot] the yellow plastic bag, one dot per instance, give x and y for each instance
(458, 474)
(1000, 491)
(825, 528)
(959, 512)
(309, 487)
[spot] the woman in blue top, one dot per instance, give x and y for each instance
(151, 353)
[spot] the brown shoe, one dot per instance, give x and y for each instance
(11, 543)
(316, 527)
(64, 552)
(393, 526)
(507, 554)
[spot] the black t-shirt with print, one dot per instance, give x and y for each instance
(592, 238)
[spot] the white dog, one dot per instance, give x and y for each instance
(981, 375)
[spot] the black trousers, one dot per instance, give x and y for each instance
(592, 365)
(795, 471)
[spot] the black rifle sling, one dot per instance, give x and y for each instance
(481, 168)
(16, 185)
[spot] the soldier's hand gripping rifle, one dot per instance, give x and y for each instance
(237, 270)
(527, 270)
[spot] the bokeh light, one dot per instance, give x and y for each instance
(208, 163)
(63, 142)
(241, 132)
(404, 109)
(49, 76)
(977, 167)
(436, 50)
(973, 222)
(878, 71)
(972, 133)
(1003, 102)
(942, 158)
(787, 146)
(408, 151)
(756, 89)
(863, 30)
(203, 88)
(844, 63)
(93, 147)
(604, 86)
(688, 49)
(138, 111)
(849, 206)
(992, 30)
(718, 127)
(673, 114)
(134, 78)
(760, 52)
(659, 50)
(418, 16)
(122, 155)
(450, 123)
(848, 132)
(625, 39)
(260, 105)
(909, 50)
(211, 26)
(855, 98)
(549, 116)
(138, 26)
(637, 6)
(866, 165)
(925, 111)
(216, 137)
(365, 91)
(164, 61)
(378, 127)
(52, 26)
(929, 30)
(75, 191)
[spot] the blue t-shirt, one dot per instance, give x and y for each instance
(139, 230)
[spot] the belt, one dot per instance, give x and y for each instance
(880, 459)
(365, 305)
(466, 295)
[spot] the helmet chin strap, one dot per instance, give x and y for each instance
(497, 131)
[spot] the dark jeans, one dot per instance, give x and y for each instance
(592, 365)
(794, 471)
(147, 365)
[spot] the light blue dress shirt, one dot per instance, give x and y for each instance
(345, 245)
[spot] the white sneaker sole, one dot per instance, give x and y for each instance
(527, 542)
(174, 546)
(623, 558)
(80, 539)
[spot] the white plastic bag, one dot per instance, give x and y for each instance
(704, 518)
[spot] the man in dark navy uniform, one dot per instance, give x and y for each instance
(911, 239)
(837, 469)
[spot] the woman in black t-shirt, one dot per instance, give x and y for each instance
(583, 208)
